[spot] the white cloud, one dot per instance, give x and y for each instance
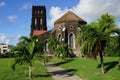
(12, 19)
(89, 10)
(55, 13)
(19, 36)
(13, 40)
(9, 40)
(26, 6)
(2, 4)
(2, 37)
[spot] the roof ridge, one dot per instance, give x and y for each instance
(69, 16)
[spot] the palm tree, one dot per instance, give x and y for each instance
(62, 51)
(94, 36)
(53, 43)
(26, 49)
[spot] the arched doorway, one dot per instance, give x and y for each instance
(71, 41)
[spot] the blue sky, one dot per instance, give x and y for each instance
(15, 15)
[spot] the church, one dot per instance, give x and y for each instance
(65, 28)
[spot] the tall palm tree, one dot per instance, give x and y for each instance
(95, 35)
(26, 49)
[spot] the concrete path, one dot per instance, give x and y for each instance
(58, 73)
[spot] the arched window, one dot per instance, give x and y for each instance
(46, 45)
(41, 20)
(71, 41)
(60, 38)
(35, 11)
(38, 12)
(41, 12)
(35, 21)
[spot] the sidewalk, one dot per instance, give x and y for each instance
(58, 73)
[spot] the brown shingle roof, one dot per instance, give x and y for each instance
(69, 16)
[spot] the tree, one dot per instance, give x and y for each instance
(95, 35)
(52, 43)
(112, 47)
(26, 49)
(62, 51)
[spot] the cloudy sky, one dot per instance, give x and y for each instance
(15, 15)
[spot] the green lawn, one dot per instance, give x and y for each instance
(21, 72)
(89, 69)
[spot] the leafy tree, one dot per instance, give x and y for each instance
(112, 47)
(95, 36)
(61, 50)
(25, 51)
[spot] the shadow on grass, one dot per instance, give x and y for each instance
(63, 72)
(39, 75)
(109, 65)
(64, 62)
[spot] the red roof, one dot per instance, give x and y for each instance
(37, 32)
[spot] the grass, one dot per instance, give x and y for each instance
(21, 72)
(89, 69)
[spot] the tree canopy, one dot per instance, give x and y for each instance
(96, 35)
(25, 51)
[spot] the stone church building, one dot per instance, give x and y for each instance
(65, 28)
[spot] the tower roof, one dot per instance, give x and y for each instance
(69, 16)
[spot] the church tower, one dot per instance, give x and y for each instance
(38, 22)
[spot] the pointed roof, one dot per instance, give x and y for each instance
(69, 16)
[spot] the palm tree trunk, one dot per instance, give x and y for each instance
(30, 71)
(101, 62)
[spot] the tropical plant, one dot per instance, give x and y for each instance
(25, 51)
(52, 43)
(112, 48)
(95, 36)
(62, 51)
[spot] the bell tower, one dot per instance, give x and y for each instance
(38, 21)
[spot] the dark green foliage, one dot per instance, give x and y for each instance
(26, 50)
(2, 55)
(52, 43)
(6, 55)
(96, 36)
(62, 51)
(112, 48)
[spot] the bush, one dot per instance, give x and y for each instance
(6, 55)
(1, 55)
(112, 52)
